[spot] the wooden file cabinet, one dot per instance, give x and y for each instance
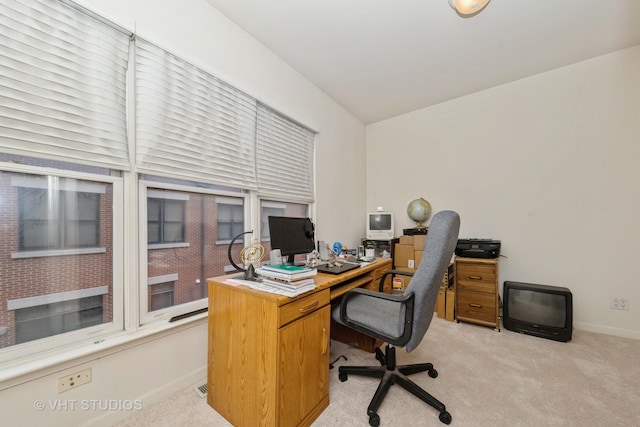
(268, 356)
(477, 293)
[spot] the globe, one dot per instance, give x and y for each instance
(419, 210)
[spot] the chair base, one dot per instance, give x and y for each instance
(390, 374)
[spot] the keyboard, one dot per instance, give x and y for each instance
(337, 268)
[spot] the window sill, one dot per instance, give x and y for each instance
(25, 369)
(167, 245)
(57, 252)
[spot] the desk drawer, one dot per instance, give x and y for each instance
(299, 308)
(478, 277)
(476, 306)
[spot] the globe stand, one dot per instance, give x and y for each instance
(250, 273)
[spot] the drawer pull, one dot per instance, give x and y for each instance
(325, 341)
(309, 307)
(475, 305)
(475, 278)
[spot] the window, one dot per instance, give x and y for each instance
(161, 296)
(58, 219)
(57, 265)
(204, 161)
(56, 318)
(165, 220)
(176, 272)
(230, 221)
(271, 208)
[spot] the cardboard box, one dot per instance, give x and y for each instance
(450, 305)
(417, 256)
(406, 240)
(441, 303)
(418, 242)
(403, 256)
(447, 280)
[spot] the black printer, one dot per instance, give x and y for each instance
(478, 248)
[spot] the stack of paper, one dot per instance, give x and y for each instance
(291, 288)
(289, 273)
(274, 288)
(289, 280)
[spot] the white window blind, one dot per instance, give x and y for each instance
(285, 157)
(189, 124)
(62, 84)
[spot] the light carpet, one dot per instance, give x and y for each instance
(486, 378)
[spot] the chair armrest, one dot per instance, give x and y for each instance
(405, 300)
(388, 272)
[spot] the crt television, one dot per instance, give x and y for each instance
(539, 310)
(291, 235)
(379, 225)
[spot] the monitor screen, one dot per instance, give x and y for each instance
(537, 307)
(291, 235)
(379, 221)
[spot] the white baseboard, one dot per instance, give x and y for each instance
(618, 332)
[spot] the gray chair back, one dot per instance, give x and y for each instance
(438, 249)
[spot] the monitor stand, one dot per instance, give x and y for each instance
(291, 260)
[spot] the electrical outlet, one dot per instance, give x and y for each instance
(624, 303)
(619, 303)
(74, 380)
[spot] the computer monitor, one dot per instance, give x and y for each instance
(291, 235)
(379, 226)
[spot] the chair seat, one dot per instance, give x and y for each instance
(380, 315)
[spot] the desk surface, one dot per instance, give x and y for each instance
(323, 281)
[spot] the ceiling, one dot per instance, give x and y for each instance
(383, 58)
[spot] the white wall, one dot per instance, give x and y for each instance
(547, 164)
(152, 368)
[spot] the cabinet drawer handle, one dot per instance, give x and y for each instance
(475, 278)
(475, 305)
(325, 341)
(309, 307)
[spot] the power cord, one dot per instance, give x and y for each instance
(342, 356)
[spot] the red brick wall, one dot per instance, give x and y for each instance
(188, 261)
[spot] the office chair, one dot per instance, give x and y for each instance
(402, 320)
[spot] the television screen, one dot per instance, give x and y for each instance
(540, 310)
(537, 307)
(291, 235)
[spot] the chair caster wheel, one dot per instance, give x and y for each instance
(342, 377)
(445, 418)
(433, 373)
(374, 420)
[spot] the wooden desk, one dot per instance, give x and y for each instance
(268, 356)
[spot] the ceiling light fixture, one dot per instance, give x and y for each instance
(468, 7)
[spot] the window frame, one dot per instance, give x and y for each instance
(90, 335)
(148, 318)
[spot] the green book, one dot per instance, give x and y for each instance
(286, 268)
